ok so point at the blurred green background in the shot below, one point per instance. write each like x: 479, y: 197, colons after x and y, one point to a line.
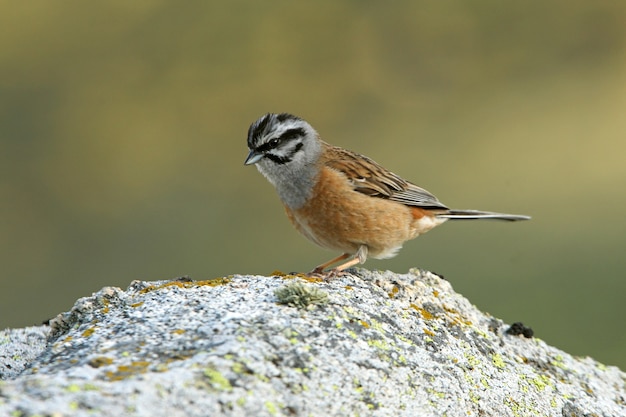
x: 123, y: 134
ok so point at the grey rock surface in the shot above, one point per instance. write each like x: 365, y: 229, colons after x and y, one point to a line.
x: 20, y: 347
x: 369, y: 343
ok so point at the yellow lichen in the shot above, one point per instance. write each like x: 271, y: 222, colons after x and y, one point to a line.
x: 558, y: 362
x: 126, y: 371
x: 238, y: 368
x: 427, y: 315
x: 498, y: 361
x: 474, y: 397
x: 438, y: 394
x: 73, y: 388
x: 88, y: 332
x: 180, y: 284
x: 100, y: 361
x: 472, y: 360
x: 541, y: 382
x: 376, y: 325
x: 271, y: 408
x: 394, y: 291
x: 380, y: 344
x: 404, y: 339
x: 217, y: 380
x: 456, y: 317
x: 300, y: 275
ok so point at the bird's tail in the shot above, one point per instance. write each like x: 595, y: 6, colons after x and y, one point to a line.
x: 476, y: 214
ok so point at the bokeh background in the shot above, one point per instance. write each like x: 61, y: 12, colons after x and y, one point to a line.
x: 123, y: 134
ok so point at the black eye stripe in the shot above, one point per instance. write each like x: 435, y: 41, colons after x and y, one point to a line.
x: 286, y: 136
x: 266, y: 147
x: 284, y: 159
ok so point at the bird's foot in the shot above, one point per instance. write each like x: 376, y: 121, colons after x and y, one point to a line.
x: 328, y: 274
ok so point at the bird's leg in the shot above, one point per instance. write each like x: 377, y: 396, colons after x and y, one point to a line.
x: 359, y: 258
x: 319, y: 270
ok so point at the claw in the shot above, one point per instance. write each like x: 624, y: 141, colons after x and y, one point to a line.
x: 327, y: 275
x: 335, y: 273
x: 359, y: 258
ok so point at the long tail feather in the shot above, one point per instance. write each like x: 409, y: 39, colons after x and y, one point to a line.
x: 476, y: 214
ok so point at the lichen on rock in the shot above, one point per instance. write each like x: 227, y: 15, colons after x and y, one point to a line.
x: 365, y: 343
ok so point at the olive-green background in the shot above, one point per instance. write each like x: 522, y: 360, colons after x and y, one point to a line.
x: 123, y: 128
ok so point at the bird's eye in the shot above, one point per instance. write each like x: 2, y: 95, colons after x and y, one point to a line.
x: 273, y: 143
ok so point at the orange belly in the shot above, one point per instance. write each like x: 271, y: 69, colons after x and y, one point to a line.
x: 341, y: 219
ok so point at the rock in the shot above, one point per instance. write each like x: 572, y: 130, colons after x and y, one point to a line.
x: 369, y: 343
x: 20, y: 347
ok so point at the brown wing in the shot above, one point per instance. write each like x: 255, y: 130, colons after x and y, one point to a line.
x: 368, y: 177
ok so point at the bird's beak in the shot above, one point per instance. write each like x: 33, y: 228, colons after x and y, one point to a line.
x: 253, y: 157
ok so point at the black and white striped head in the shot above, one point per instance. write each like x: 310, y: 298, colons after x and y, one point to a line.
x: 285, y: 148
x: 277, y: 138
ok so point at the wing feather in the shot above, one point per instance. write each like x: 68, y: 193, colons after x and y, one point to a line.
x: 370, y: 178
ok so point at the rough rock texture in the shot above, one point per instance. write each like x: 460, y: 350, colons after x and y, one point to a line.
x: 372, y: 343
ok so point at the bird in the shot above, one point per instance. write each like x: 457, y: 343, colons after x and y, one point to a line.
x: 342, y: 200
